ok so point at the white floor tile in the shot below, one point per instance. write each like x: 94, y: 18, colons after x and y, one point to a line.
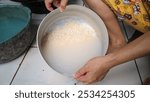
x: 35, y: 71
x: 144, y: 66
x: 7, y: 70
x: 124, y: 74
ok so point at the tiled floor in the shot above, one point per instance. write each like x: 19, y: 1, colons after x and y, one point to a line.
x: 31, y: 69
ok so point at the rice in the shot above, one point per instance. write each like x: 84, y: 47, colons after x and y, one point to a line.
x: 72, y: 32
x: 70, y: 45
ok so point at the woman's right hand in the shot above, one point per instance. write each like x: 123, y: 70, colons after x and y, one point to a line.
x: 94, y: 70
x: 58, y: 3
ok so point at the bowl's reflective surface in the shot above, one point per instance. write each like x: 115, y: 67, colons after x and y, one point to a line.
x: 56, y: 18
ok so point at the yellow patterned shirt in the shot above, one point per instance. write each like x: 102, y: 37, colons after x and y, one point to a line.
x: 135, y: 12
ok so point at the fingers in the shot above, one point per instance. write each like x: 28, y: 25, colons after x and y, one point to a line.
x: 56, y: 3
x: 85, y: 79
x: 48, y: 4
x: 86, y: 76
x: 63, y: 4
x: 80, y: 73
x: 89, y: 78
x: 83, y: 75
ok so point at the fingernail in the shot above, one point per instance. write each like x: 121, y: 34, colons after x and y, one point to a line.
x: 50, y: 9
x: 61, y: 10
x: 74, y: 75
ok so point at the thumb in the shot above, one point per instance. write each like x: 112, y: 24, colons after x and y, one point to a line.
x: 63, y: 5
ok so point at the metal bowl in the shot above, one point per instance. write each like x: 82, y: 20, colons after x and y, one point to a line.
x: 15, y: 36
x: 56, y: 18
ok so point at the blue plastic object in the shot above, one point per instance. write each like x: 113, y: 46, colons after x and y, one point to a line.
x: 13, y: 19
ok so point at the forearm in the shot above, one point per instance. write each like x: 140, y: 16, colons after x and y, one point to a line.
x: 133, y: 50
x: 108, y: 17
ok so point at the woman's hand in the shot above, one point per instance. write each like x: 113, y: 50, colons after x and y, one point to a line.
x: 94, y: 70
x: 58, y: 3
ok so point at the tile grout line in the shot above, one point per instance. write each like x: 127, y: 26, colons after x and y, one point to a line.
x: 18, y: 67
x: 134, y: 59
x: 138, y: 71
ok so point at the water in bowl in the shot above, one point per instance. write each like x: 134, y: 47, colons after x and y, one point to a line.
x: 69, y: 46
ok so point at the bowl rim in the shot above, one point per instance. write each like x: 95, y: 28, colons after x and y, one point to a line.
x: 58, y: 11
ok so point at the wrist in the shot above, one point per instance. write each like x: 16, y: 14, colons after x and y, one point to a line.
x: 111, y: 60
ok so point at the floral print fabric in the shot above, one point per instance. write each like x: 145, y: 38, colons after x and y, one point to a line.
x: 135, y: 12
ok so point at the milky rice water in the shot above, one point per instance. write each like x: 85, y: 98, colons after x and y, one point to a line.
x: 69, y: 45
